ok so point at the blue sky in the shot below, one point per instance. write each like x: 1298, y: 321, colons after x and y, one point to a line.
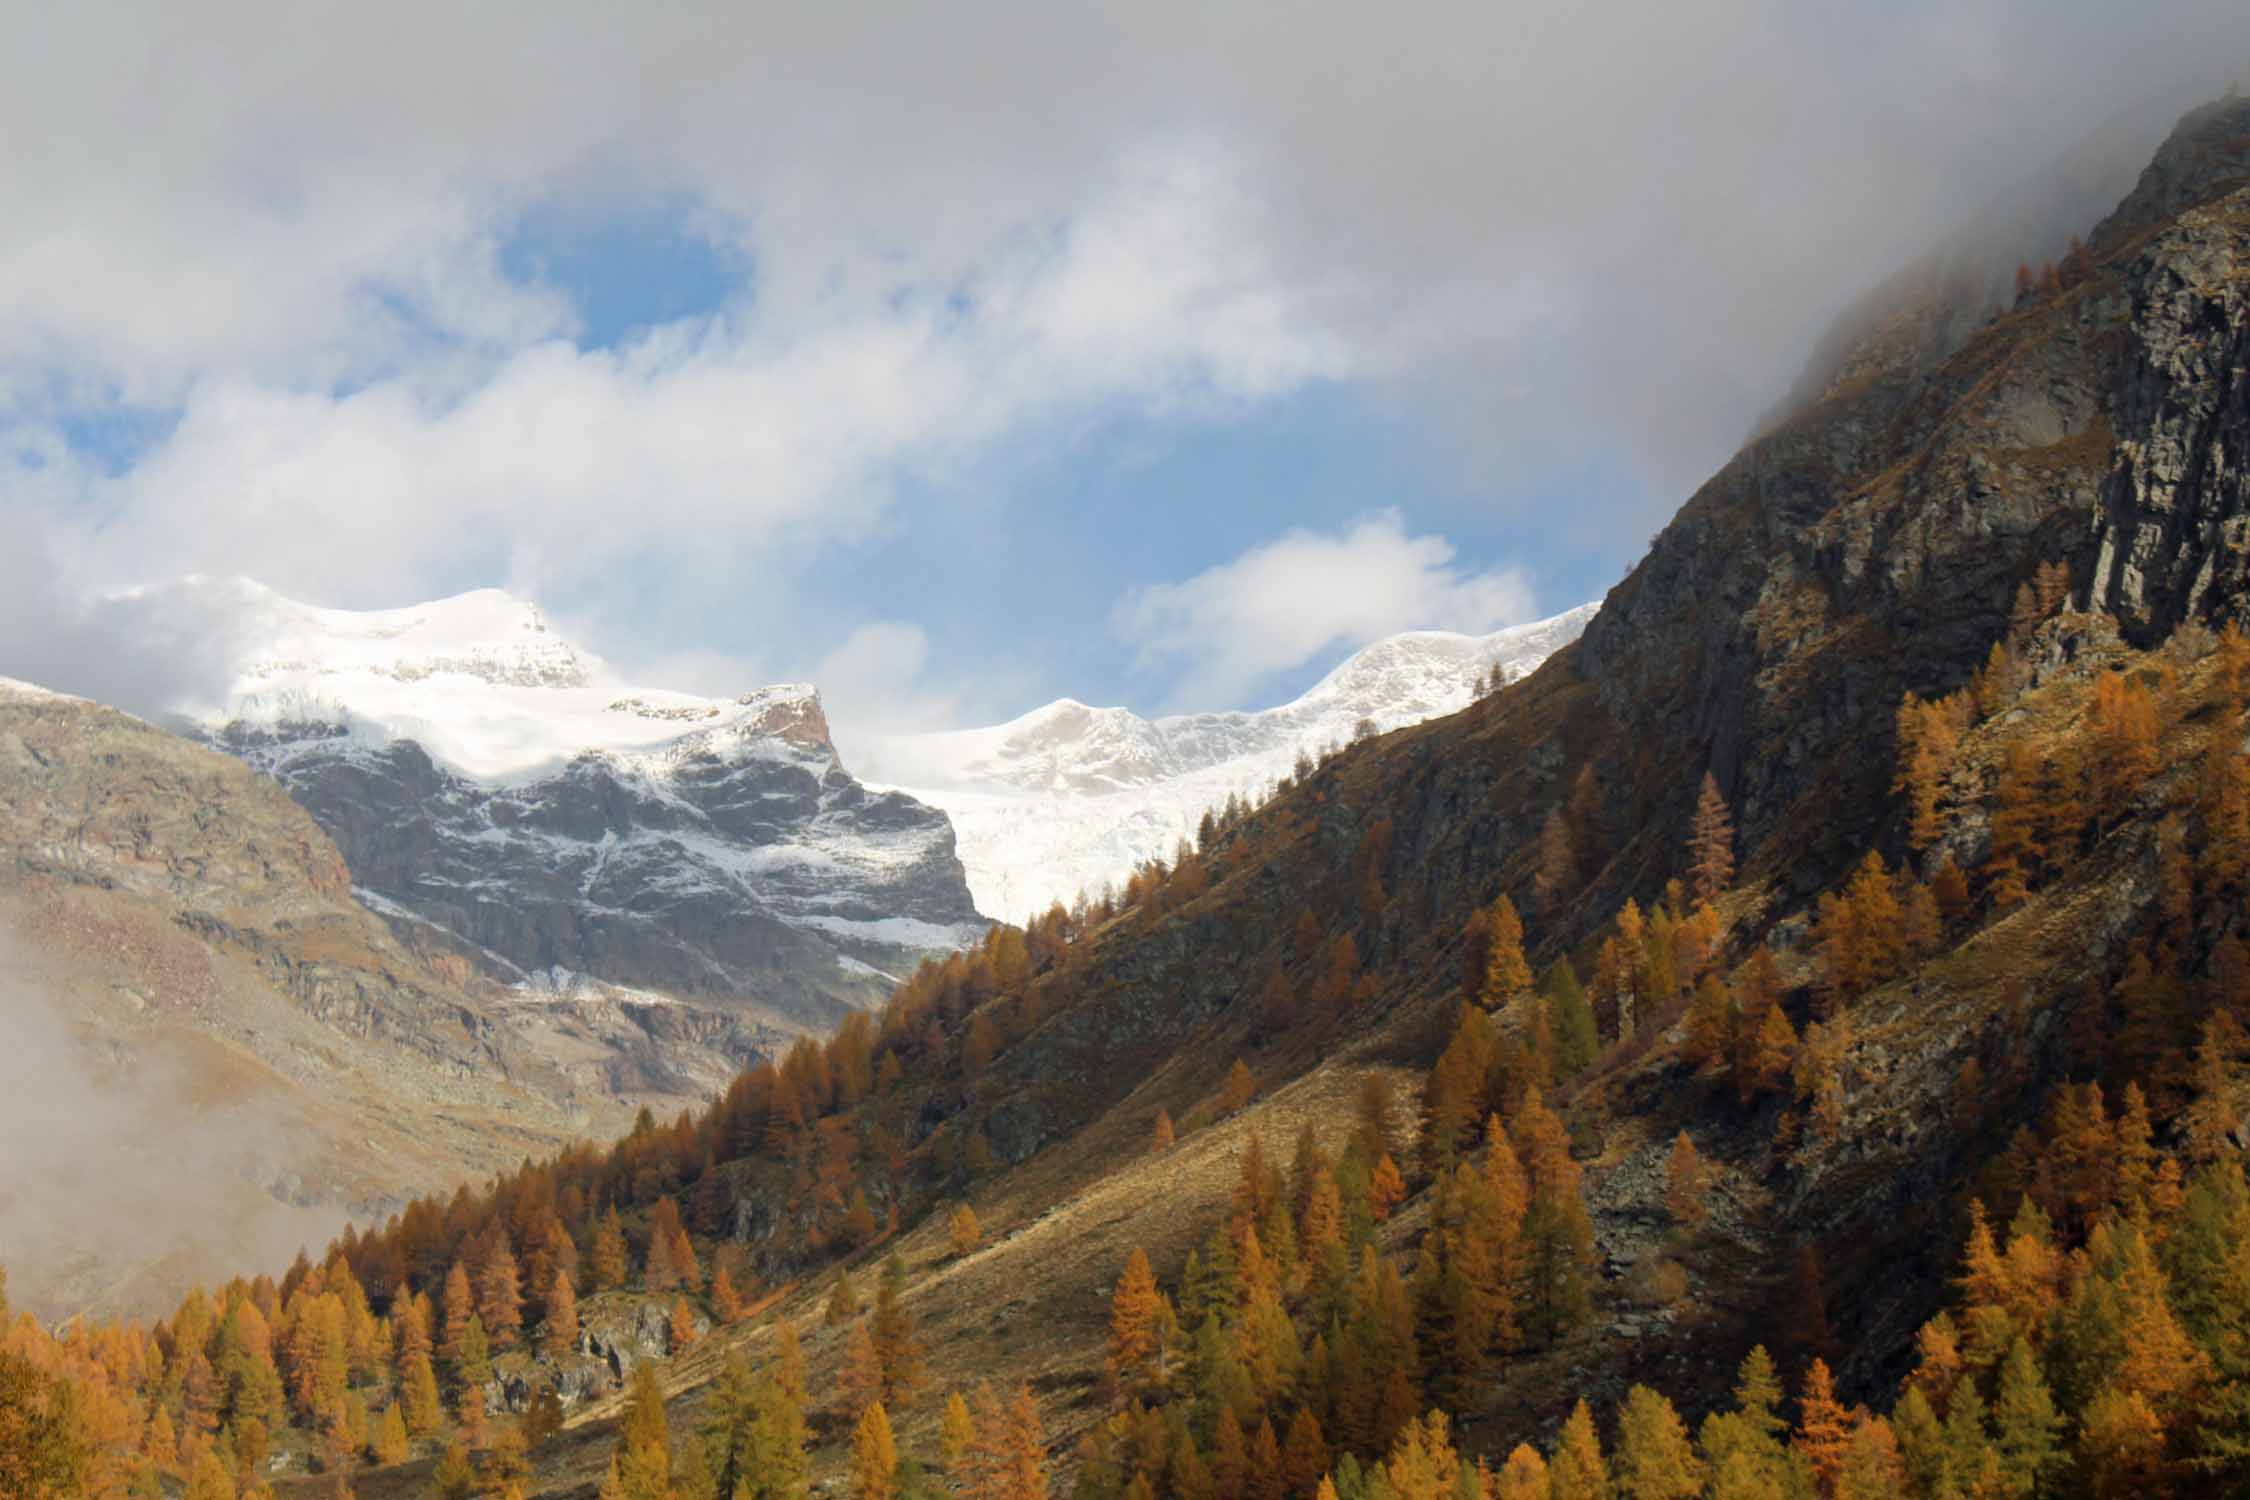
x: 963, y: 359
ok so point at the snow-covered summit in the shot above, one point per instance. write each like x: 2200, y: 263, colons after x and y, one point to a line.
x: 486, y: 778
x: 1070, y: 797
x: 482, y: 683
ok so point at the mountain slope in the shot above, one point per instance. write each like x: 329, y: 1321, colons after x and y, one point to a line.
x: 206, y: 1032
x: 1988, y: 1054
x: 491, y: 780
x: 1068, y: 799
x: 1869, y: 546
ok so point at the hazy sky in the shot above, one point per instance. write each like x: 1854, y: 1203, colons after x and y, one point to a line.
x: 963, y: 356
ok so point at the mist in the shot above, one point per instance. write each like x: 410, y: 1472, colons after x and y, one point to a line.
x: 150, y: 652
x: 121, y: 1179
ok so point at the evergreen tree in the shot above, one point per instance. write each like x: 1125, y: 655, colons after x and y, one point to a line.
x: 2028, y: 1425
x: 1823, y: 1427
x: 1711, y: 844
x: 679, y: 1329
x: 1576, y: 1468
x: 726, y: 1302
x: 874, y: 1462
x: 609, y: 1253
x: 561, y: 1334
x: 390, y: 1443
x: 1577, y: 1037
x: 500, y: 1293
x: 1506, y: 972
x: 962, y: 1231
x: 641, y: 1465
x: 843, y: 1302
x: 891, y: 1329
x: 1655, y: 1460
x: 1161, y: 1138
x: 1238, y: 1090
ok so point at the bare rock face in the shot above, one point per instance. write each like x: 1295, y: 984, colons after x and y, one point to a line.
x: 1870, y: 544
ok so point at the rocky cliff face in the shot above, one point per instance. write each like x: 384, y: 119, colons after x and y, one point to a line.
x: 491, y: 783
x: 213, y: 1035
x: 1871, y: 544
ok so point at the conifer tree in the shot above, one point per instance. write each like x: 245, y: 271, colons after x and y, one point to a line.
x: 506, y: 1466
x: 1522, y: 1477
x: 1577, y: 1038
x: 500, y: 1293
x: 957, y: 1439
x: 1386, y: 1189
x: 1506, y: 973
x: 1304, y: 1455
x: 2028, y: 1425
x: 891, y: 1328
x: 1138, y: 1314
x: 456, y: 1479
x: 861, y: 1378
x: 1711, y: 844
x: 1823, y: 1427
x: 608, y: 1257
x: 1022, y: 1473
x: 1558, y: 861
x: 460, y: 1315
x: 843, y: 1302
x: 390, y: 1443
x: 43, y: 1453
x: 1770, y: 1050
x: 1655, y: 1460
x: 1238, y: 1090
x: 1264, y: 1476
x: 1710, y: 1024
x: 726, y: 1302
x: 679, y: 1329
x: 418, y: 1397
x: 1576, y: 1467
x: 641, y: 1466
x: 2016, y: 819
x: 962, y: 1232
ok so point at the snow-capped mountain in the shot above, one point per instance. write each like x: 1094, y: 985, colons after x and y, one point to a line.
x: 487, y: 778
x: 1069, y: 798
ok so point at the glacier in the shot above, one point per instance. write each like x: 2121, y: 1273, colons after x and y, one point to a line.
x: 1069, y: 799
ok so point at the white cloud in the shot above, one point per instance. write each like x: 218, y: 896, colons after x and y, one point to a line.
x: 711, y: 446
x: 1284, y: 602
x: 967, y: 223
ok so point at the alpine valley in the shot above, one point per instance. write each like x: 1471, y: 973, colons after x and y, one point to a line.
x: 1787, y: 1039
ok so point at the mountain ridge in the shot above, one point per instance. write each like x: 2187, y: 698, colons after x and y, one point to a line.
x: 500, y: 784
x: 1068, y: 799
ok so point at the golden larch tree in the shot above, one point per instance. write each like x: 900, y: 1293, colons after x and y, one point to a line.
x: 962, y: 1232
x: 1711, y: 843
x: 1507, y: 973
x: 874, y: 1463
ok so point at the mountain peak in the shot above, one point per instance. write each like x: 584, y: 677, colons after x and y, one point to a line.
x: 1069, y: 797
